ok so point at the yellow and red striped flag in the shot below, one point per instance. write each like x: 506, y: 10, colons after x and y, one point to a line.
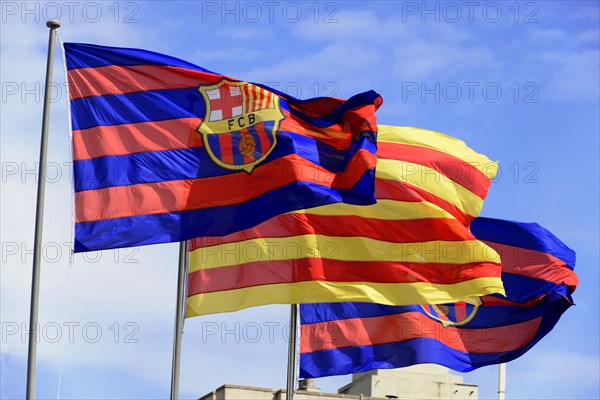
x: 413, y: 246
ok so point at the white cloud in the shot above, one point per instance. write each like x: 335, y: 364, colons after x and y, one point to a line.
x: 585, y: 13
x: 574, y: 74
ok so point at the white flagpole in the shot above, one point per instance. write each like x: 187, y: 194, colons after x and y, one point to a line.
x: 39, y: 218
x: 502, y: 381
x: 291, y: 368
x: 179, y: 315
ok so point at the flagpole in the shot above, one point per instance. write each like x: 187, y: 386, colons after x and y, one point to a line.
x: 291, y: 368
x: 39, y: 218
x: 502, y: 381
x: 178, y: 326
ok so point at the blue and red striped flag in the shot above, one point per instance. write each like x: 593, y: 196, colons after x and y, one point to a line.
x: 537, y: 270
x: 164, y: 150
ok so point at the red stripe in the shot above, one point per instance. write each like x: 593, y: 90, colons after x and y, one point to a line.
x: 113, y: 79
x: 395, y: 190
x: 323, y: 269
x: 226, y: 148
x: 489, y: 300
x: 269, y: 99
x: 265, y: 143
x: 119, y: 140
x: 295, y: 224
x: 534, y: 264
x: 256, y: 102
x: 453, y: 168
x: 250, y: 98
x: 460, y: 311
x: 248, y: 101
x: 263, y: 96
x: 191, y: 194
x: 414, y: 325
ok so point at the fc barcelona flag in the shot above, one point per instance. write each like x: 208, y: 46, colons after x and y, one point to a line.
x: 537, y: 270
x: 164, y: 150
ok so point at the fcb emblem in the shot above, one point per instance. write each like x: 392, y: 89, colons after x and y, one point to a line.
x: 454, y: 314
x: 239, y: 128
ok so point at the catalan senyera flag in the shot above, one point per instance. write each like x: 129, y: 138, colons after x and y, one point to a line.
x: 412, y: 246
x: 537, y: 270
x: 164, y: 150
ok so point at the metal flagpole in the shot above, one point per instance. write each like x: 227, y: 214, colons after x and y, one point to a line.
x: 291, y: 369
x: 501, y: 381
x: 178, y: 328
x: 39, y: 218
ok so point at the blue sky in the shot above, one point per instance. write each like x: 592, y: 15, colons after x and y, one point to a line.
x: 518, y: 81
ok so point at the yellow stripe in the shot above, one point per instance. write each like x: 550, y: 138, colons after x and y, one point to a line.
x: 432, y: 181
x: 339, y: 248
x: 437, y: 141
x: 384, y: 209
x: 320, y: 291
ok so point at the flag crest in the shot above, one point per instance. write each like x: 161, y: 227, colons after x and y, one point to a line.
x: 240, y: 124
x: 452, y: 314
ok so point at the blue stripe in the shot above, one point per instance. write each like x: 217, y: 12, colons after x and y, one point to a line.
x: 218, y: 221
x: 355, y: 359
x: 82, y: 55
x: 195, y: 163
x: 215, y: 146
x: 119, y: 109
x: 521, y: 234
x: 238, y: 159
x: 521, y: 289
x: 148, y: 167
x: 321, y: 312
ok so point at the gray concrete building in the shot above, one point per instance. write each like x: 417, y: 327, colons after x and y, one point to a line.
x: 427, y: 381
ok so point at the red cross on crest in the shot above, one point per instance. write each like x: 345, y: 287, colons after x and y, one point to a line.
x: 225, y: 102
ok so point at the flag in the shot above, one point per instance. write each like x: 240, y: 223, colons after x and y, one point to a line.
x: 537, y: 270
x: 412, y: 246
x: 164, y: 150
